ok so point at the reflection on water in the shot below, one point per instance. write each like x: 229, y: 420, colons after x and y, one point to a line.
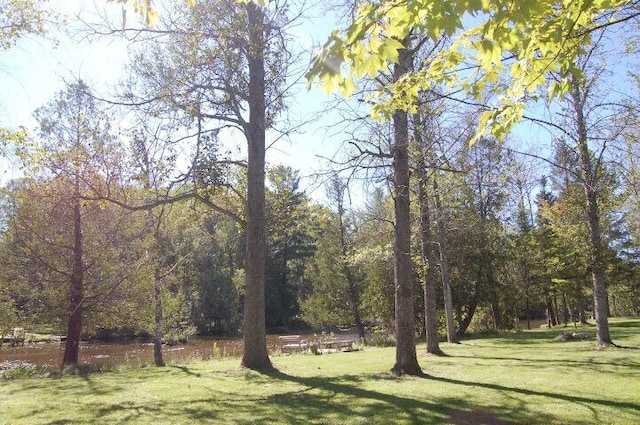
x: 131, y: 352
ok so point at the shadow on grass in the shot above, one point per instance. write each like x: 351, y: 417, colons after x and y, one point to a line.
x: 619, y: 328
x: 186, y: 370
x: 336, y: 398
x: 635, y: 407
x: 268, y: 398
x: 632, y: 365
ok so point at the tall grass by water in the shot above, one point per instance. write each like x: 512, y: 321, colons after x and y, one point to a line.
x: 510, y: 378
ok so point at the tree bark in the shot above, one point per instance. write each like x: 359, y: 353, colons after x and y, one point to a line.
x: 354, y: 293
x: 452, y: 337
x: 157, y: 334
x: 551, y: 315
x: 255, y: 354
x: 596, y: 250
x: 527, y: 307
x: 426, y: 239
x: 466, y: 320
x: 76, y: 290
x: 569, y: 310
x: 496, y: 312
x: 406, y: 357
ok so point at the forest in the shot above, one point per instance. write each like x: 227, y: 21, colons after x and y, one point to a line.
x: 486, y: 176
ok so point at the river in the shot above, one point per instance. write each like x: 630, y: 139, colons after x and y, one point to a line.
x: 133, y: 353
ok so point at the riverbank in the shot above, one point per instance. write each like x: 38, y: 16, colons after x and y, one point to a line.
x: 46, y: 354
x: 512, y: 378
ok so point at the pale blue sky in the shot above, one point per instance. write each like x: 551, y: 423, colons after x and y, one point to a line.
x: 33, y: 71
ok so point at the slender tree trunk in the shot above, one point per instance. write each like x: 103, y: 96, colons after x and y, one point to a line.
x: 337, y: 195
x: 496, y: 312
x: 157, y: 280
x: 354, y: 296
x: 581, y: 314
x: 600, y: 301
x: 567, y: 304
x: 354, y: 299
x: 157, y: 334
x: 452, y: 337
x: 596, y: 248
x: 406, y: 357
x: 613, y: 307
x: 556, y: 311
x: 76, y: 289
x: 255, y: 355
x: 551, y: 315
x: 426, y: 239
x: 429, y: 264
x: 466, y: 320
x: 527, y: 307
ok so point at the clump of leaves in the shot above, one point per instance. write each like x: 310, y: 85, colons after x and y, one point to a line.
x: 381, y: 336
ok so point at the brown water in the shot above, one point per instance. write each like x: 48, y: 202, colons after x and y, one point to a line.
x: 131, y: 353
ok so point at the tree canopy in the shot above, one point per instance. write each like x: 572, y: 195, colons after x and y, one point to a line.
x: 501, y: 47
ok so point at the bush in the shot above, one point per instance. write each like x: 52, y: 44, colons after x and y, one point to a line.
x: 380, y: 336
x: 179, y: 335
x: 19, y: 370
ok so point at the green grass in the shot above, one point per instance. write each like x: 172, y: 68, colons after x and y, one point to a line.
x: 512, y: 378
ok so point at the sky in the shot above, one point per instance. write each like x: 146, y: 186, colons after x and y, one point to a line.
x: 33, y: 71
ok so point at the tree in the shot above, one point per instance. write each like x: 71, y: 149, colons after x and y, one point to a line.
x: 426, y: 238
x: 373, y: 255
x: 151, y: 172
x: 224, y: 70
x: 527, y: 41
x: 37, y: 271
x: 75, y: 137
x: 337, y: 191
x: 588, y: 122
x: 255, y: 355
x: 468, y: 205
x: 579, y: 94
x: 445, y: 271
x: 337, y: 280
x: 290, y: 224
x: 527, y: 260
x: 19, y: 18
x: 406, y: 358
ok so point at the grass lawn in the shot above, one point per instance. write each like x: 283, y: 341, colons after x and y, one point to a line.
x: 513, y: 378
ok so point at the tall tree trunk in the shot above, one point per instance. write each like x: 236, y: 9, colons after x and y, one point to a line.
x: 354, y: 300
x: 338, y: 189
x: 596, y: 249
x: 466, y: 320
x: 452, y: 337
x: 556, y: 311
x: 354, y: 293
x: 154, y: 249
x: 596, y: 259
x: 255, y: 354
x: 157, y: 298
x: 551, y: 315
x: 406, y: 357
x: 581, y: 314
x: 568, y: 308
x: 76, y: 289
x: 527, y: 307
x: 496, y: 312
x: 426, y: 239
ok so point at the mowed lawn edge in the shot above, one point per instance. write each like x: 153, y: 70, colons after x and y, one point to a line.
x: 509, y: 378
